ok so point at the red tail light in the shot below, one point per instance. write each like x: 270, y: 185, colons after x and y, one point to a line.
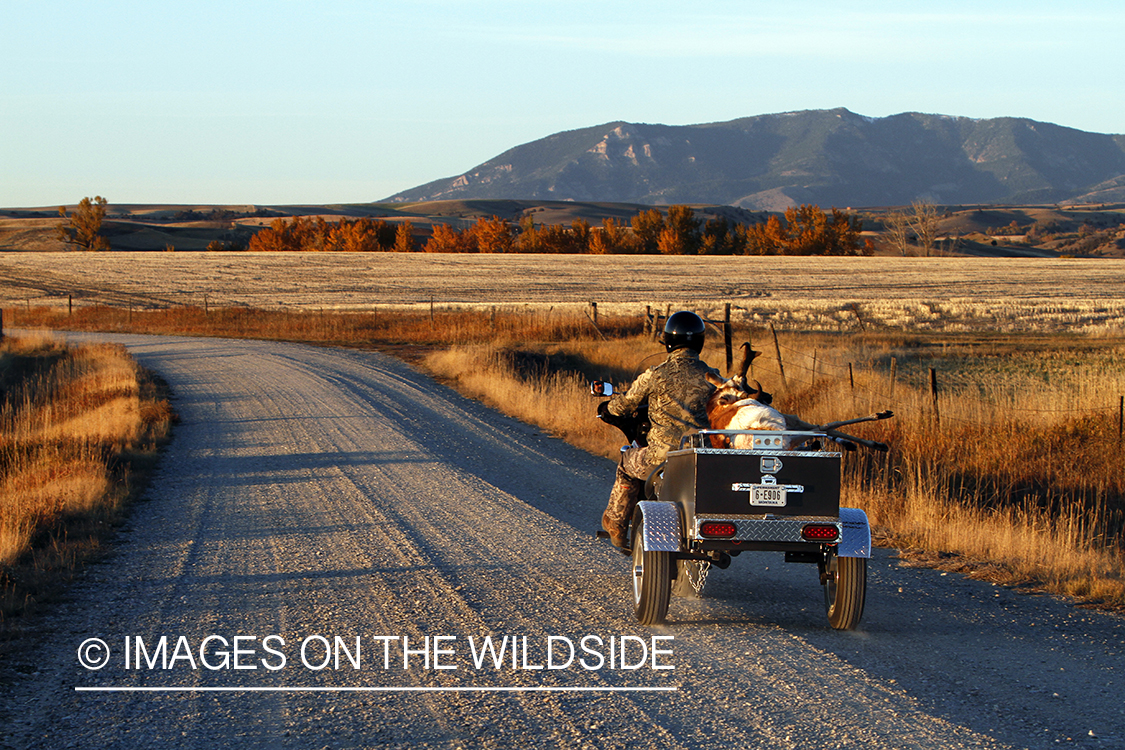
x: 820, y: 532
x: 717, y: 529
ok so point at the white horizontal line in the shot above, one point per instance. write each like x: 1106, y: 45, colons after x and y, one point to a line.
x: 482, y: 689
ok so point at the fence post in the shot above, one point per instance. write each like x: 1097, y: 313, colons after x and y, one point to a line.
x: 727, y: 335
x: 594, y: 310
x: 1121, y: 419
x: 934, y: 394
x: 648, y: 321
x: 859, y: 318
x: 894, y: 372
x: 780, y: 364
x: 70, y: 304
x: 813, y: 380
x: 851, y: 383
x: 656, y: 328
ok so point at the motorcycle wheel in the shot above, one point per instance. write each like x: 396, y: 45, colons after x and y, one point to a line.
x: 845, y: 588
x: 652, y: 580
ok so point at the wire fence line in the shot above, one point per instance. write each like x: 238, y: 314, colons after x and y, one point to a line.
x: 800, y: 373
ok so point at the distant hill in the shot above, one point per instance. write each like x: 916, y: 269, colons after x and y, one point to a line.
x: 826, y: 157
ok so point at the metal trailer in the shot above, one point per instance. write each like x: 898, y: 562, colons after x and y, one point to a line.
x: 707, y: 504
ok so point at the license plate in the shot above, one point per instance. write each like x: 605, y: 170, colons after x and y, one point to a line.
x: 770, y: 495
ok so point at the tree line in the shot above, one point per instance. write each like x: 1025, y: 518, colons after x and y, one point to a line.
x: 347, y: 235
x: 804, y: 230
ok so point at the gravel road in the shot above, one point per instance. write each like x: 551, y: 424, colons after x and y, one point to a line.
x: 312, y: 497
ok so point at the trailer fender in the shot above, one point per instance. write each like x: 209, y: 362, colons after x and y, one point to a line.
x: 855, y: 540
x: 662, y: 532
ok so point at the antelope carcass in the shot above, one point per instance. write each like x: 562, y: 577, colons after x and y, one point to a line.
x: 733, y: 406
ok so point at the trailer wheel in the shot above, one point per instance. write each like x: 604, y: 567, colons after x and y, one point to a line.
x: 688, y: 575
x: 652, y: 580
x: 845, y: 587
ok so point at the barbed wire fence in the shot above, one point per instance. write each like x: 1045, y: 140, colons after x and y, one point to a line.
x: 799, y: 369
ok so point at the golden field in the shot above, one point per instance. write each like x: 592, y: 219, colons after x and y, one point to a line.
x: 899, y: 294
x: 73, y: 421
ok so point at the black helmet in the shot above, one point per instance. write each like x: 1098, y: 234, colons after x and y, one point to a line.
x: 684, y: 329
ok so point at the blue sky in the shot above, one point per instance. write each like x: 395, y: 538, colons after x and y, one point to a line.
x: 340, y: 101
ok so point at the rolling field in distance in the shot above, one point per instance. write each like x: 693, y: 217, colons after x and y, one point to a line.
x: 830, y: 294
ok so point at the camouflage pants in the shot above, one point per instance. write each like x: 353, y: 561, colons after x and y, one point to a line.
x: 627, y: 488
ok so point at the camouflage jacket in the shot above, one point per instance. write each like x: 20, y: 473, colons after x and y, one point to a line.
x: 677, y: 394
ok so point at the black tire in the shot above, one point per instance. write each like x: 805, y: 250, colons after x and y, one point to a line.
x: 845, y: 588
x: 686, y: 572
x: 652, y: 580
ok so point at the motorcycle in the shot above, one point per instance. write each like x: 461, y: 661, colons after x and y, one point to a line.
x: 705, y: 505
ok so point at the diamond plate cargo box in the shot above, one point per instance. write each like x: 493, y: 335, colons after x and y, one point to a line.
x: 715, y: 482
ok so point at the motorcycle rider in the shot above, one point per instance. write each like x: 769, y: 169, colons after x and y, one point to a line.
x: 676, y: 391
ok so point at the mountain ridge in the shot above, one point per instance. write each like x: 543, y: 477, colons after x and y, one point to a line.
x: 827, y: 157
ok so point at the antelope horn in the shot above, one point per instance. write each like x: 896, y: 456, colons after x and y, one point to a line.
x: 757, y: 393
x: 748, y: 356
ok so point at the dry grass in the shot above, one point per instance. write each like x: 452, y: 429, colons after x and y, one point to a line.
x: 1019, y: 474
x: 72, y: 422
x: 558, y: 402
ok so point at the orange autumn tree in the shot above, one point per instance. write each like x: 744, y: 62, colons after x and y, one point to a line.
x: 647, y: 226
x: 446, y: 239
x: 315, y: 234
x: 493, y: 235
x: 82, y: 228
x: 611, y: 239
x: 807, y: 230
x: 360, y: 236
x: 404, y: 238
x: 555, y: 238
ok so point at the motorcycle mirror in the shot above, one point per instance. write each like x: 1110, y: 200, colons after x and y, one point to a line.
x: 601, y: 388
